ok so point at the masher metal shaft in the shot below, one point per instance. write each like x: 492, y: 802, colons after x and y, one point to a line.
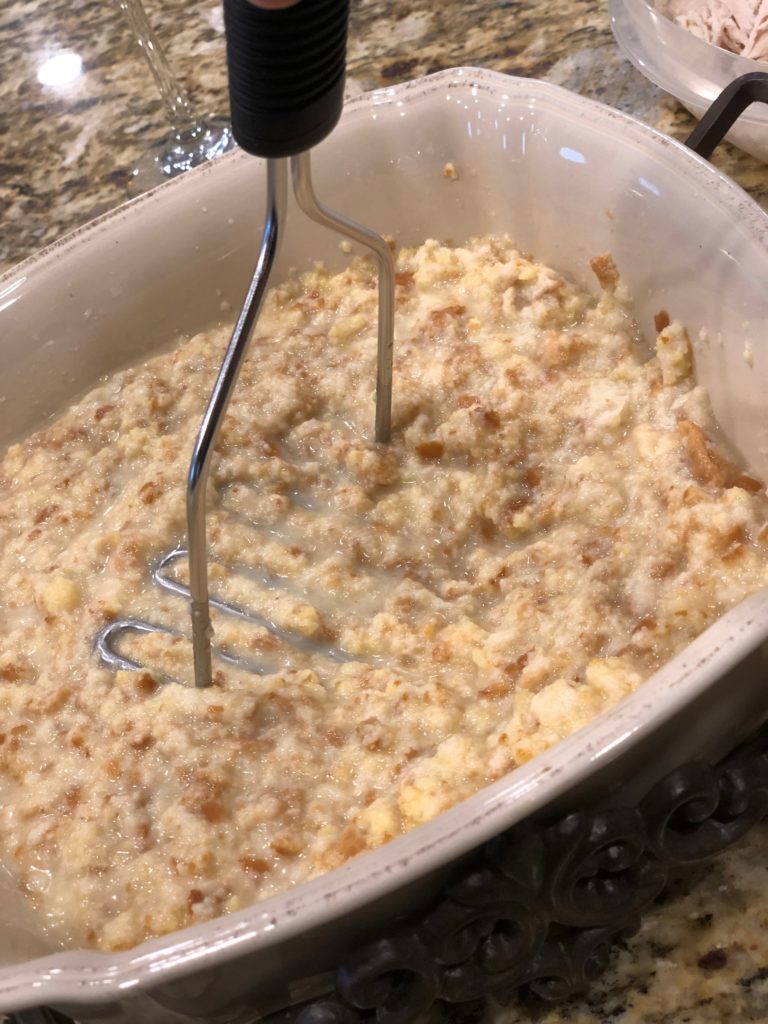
x: 301, y: 172
x: 286, y: 84
x: 214, y: 416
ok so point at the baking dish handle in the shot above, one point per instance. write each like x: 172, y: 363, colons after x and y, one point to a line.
x: 726, y: 109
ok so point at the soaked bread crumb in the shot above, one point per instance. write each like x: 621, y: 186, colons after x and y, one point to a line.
x: 551, y: 523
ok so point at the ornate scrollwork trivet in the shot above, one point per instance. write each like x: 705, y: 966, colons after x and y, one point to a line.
x: 537, y: 909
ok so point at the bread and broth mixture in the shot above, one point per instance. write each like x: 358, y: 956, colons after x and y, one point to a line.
x: 550, y: 524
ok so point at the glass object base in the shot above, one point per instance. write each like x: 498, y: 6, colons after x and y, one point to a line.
x: 181, y: 151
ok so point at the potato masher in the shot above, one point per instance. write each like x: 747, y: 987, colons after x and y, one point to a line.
x: 286, y: 63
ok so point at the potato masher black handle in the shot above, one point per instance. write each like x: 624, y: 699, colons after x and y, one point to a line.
x: 727, y: 108
x: 286, y: 73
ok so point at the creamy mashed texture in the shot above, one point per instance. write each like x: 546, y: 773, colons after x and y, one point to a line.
x: 550, y: 523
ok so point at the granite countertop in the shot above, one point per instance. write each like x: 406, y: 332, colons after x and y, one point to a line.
x: 68, y: 151
x: 67, y: 155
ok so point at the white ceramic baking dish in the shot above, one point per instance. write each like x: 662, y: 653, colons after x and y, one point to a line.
x: 568, y: 179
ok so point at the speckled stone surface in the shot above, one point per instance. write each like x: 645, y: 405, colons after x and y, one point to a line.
x: 701, y: 956
x: 67, y: 152
x: 66, y: 155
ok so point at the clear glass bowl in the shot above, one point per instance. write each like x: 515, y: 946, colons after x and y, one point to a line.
x: 692, y: 71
